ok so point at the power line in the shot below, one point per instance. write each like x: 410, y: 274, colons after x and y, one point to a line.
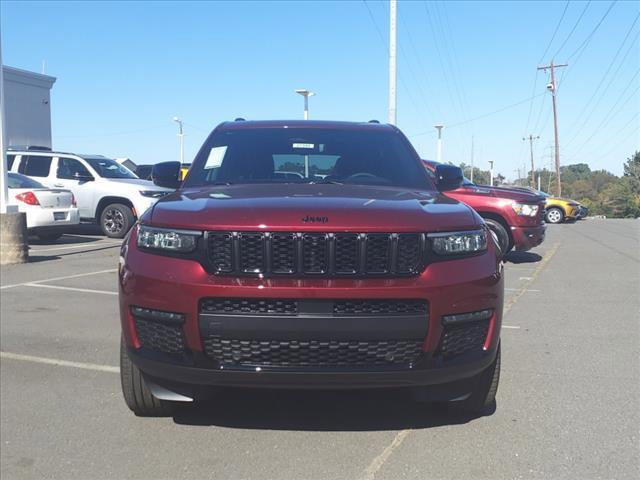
x: 573, y: 29
x: 566, y: 5
x: 588, y: 102
x: 480, y: 116
x: 590, y: 36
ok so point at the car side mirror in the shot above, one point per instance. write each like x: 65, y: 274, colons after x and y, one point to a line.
x: 448, y: 177
x: 83, y: 178
x: 166, y: 174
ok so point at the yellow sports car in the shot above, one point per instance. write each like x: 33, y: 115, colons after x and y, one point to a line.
x: 559, y: 209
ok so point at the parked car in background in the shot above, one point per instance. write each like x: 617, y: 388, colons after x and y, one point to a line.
x: 582, y: 212
x: 50, y: 212
x: 515, y: 216
x: 369, y: 277
x: 106, y: 192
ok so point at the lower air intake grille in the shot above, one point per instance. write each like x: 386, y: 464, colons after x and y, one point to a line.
x: 312, y: 353
x: 159, y: 336
x: 379, y: 307
x: 465, y: 338
x: 241, y: 306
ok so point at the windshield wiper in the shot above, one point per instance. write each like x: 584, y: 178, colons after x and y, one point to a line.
x: 326, y: 182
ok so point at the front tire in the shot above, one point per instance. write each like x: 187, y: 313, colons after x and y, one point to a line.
x: 137, y: 394
x: 116, y: 219
x: 484, y: 394
x: 501, y: 233
x: 554, y: 215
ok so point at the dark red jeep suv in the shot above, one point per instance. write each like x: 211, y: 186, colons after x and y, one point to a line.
x: 304, y: 254
x: 514, y: 215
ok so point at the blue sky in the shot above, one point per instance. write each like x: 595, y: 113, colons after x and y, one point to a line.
x: 125, y: 69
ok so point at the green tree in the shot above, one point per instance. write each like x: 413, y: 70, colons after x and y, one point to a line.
x: 632, y: 173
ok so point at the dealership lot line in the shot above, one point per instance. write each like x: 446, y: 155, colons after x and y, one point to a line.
x: 75, y: 246
x: 562, y: 394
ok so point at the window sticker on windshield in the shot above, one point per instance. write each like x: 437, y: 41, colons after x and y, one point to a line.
x: 215, y: 157
x: 303, y: 145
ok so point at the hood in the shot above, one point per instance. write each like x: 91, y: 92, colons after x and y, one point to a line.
x: 139, y: 182
x: 517, y: 194
x: 312, y: 207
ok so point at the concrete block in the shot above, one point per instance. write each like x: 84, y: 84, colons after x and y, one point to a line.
x: 14, y: 244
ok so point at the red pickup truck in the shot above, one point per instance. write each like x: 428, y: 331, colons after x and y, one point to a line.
x: 515, y: 216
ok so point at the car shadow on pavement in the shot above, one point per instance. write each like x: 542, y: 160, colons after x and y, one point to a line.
x: 522, y: 257
x: 363, y: 410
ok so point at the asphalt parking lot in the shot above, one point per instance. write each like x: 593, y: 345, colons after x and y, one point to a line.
x: 567, y: 405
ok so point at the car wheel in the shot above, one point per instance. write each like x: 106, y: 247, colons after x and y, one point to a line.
x: 501, y: 234
x: 49, y: 237
x: 484, y: 394
x: 116, y: 219
x: 137, y: 394
x: 554, y: 215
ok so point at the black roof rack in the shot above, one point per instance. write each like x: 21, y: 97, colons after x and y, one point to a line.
x: 239, y: 119
x: 374, y: 121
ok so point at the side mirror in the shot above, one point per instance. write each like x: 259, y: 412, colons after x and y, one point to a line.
x: 83, y: 178
x: 448, y: 177
x: 166, y: 174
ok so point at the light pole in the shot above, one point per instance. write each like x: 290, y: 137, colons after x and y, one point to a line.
x: 393, y: 65
x: 439, y: 152
x: 491, y: 172
x: 306, y: 94
x: 181, y: 137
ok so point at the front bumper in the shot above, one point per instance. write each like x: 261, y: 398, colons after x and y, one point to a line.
x: 526, y: 238
x: 178, y: 285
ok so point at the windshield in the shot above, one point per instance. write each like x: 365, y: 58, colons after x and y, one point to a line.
x: 15, y: 180
x: 107, y: 168
x: 308, y: 155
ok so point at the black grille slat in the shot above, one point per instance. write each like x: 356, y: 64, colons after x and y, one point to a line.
x: 460, y: 339
x: 408, y: 253
x: 316, y: 254
x: 159, y: 336
x: 378, y: 253
x: 243, y: 306
x: 379, y: 307
x: 313, y: 353
x: 221, y: 251
x: 283, y: 258
x: 252, y: 252
x: 346, y: 253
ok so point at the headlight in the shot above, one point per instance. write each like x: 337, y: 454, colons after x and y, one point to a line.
x: 153, y: 193
x: 167, y: 239
x: 524, y: 209
x: 456, y: 243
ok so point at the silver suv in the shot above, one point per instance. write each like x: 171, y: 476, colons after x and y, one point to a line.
x: 106, y: 192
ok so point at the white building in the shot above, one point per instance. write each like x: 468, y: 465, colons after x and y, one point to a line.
x: 27, y: 98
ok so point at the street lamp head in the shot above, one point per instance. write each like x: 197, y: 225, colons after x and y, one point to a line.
x: 439, y: 126
x: 305, y: 92
x: 176, y: 119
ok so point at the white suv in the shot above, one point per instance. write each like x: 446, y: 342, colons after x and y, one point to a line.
x: 105, y: 191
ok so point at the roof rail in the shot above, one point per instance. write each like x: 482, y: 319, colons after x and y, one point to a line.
x: 374, y: 121
x: 239, y: 119
x: 29, y: 147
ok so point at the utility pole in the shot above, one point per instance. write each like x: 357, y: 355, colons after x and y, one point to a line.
x: 491, y: 172
x: 471, y: 158
x: 439, y: 127
x: 551, y: 86
x: 393, y: 69
x: 181, y: 137
x: 531, y: 138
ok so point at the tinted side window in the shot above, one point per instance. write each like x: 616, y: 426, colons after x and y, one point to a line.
x: 35, y: 166
x: 70, y: 168
x: 10, y: 160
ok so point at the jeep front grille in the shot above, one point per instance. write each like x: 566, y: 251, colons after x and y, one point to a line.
x: 316, y: 254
